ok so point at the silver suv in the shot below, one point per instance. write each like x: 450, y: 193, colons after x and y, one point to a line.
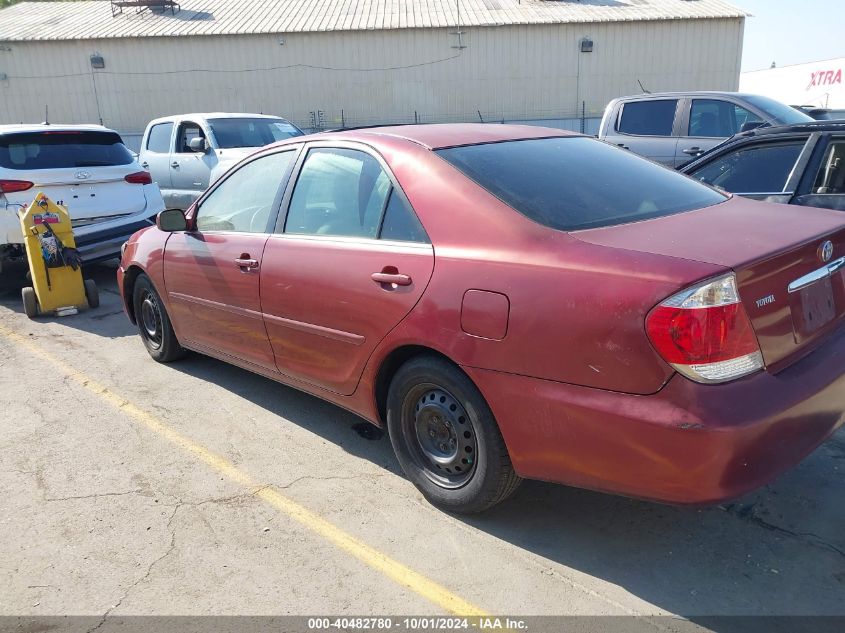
x: 187, y: 152
x: 674, y: 127
x: 86, y: 168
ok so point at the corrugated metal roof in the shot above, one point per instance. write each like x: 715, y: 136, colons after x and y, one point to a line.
x: 93, y: 19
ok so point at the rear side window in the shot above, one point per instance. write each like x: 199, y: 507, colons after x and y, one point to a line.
x: 159, y: 139
x: 62, y: 150
x: 573, y: 183
x: 648, y: 118
x: 760, y: 169
x: 400, y: 222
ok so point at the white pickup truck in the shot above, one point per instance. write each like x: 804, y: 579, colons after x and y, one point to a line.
x: 186, y: 153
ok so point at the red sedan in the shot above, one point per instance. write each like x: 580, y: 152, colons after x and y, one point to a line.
x: 513, y: 302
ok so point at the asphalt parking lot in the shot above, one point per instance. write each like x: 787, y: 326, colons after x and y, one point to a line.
x: 132, y: 488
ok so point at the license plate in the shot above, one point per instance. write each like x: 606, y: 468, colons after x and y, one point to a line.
x: 817, y: 306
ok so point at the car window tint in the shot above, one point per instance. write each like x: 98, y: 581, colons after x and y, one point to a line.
x: 760, y: 169
x: 831, y: 176
x: 575, y: 182
x: 244, y: 200
x: 159, y: 139
x: 243, y: 132
x: 188, y: 132
x: 338, y: 192
x: 62, y: 149
x: 648, y: 118
x: 400, y: 222
x: 719, y: 119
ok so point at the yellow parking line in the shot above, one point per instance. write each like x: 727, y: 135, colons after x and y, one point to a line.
x: 368, y: 555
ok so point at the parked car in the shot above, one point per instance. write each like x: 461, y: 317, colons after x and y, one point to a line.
x: 187, y: 152
x: 822, y: 114
x: 798, y: 164
x: 513, y: 302
x: 673, y: 127
x: 86, y: 168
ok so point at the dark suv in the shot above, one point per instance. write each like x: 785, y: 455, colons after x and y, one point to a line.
x: 674, y: 127
x: 796, y: 164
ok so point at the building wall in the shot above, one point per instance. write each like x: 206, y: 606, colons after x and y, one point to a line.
x: 820, y: 84
x: 509, y: 72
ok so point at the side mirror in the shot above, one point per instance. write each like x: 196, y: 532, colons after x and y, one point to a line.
x: 171, y: 220
x: 198, y: 144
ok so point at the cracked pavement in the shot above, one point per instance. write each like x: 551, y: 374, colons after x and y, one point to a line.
x: 101, y: 517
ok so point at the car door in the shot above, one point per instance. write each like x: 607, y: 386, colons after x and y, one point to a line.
x: 189, y: 170
x: 824, y: 181
x: 647, y: 128
x: 155, y: 157
x: 212, y: 273
x: 761, y: 170
x: 708, y: 122
x: 347, y: 264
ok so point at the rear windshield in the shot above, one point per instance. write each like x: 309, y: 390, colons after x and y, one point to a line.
x: 240, y: 132
x: 62, y: 149
x: 573, y: 183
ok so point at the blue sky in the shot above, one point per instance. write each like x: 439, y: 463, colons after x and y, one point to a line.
x: 792, y: 31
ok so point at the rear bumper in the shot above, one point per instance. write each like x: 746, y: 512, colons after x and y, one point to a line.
x: 687, y: 444
x: 99, y: 242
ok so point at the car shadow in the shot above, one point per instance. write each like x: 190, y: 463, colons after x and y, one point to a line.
x: 778, y: 551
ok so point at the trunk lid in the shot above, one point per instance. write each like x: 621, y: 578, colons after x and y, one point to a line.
x: 793, y: 292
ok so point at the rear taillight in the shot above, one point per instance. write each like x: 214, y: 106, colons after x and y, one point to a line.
x: 139, y: 178
x: 12, y: 186
x: 705, y: 334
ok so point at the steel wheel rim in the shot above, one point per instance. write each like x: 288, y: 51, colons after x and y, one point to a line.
x: 441, y: 436
x: 151, y: 320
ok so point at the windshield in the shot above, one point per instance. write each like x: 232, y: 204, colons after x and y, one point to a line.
x: 62, y: 149
x: 779, y: 112
x: 239, y: 132
x: 571, y: 183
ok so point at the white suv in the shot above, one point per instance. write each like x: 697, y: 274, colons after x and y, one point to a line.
x: 86, y: 168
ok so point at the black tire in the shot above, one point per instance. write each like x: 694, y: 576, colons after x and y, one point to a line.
x: 446, y: 438
x: 92, y: 294
x: 30, y: 302
x: 154, y: 323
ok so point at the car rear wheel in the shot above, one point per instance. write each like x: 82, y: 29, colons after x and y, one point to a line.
x: 446, y: 438
x: 154, y: 323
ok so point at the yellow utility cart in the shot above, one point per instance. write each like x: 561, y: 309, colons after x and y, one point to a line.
x: 54, y: 264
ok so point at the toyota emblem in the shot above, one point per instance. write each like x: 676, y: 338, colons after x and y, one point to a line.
x: 826, y: 251
x: 82, y: 175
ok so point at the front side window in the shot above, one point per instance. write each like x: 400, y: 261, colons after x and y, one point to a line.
x: 719, y: 119
x: 244, y: 201
x: 831, y: 176
x: 339, y: 192
x: 62, y: 149
x: 760, y: 169
x: 187, y: 132
x: 572, y: 183
x: 159, y: 138
x: 648, y: 118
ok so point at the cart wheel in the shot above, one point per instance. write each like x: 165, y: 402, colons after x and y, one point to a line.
x: 91, y: 293
x: 30, y: 302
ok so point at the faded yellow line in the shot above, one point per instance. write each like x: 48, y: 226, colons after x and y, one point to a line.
x: 312, y: 521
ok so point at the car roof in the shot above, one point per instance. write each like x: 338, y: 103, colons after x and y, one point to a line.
x: 691, y: 93
x: 214, y: 115
x: 442, y: 135
x: 51, y: 127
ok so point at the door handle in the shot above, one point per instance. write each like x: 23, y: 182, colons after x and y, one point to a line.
x: 622, y: 145
x: 391, y: 278
x: 693, y: 151
x: 245, y: 261
x: 145, y: 165
x: 175, y: 163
